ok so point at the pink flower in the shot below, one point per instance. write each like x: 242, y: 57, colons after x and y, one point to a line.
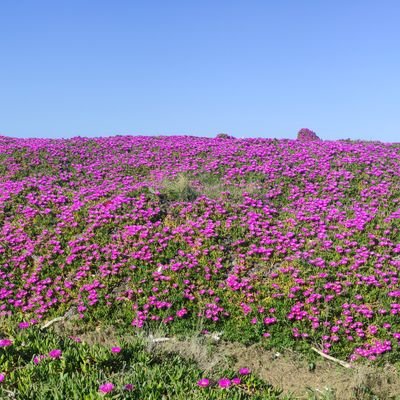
x: 181, y: 313
x: 236, y: 381
x: 203, y: 382
x: 244, y: 371
x: 106, y: 387
x: 115, y: 350
x: 37, y: 359
x: 23, y: 325
x: 56, y: 353
x: 129, y: 387
x: 2, y: 377
x: 224, y: 383
x: 5, y: 342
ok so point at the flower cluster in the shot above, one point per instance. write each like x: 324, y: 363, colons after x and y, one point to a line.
x: 108, y: 387
x: 224, y: 383
x: 53, y: 354
x: 262, y: 239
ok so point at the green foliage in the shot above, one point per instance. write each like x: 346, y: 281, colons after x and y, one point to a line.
x: 81, y: 369
x: 179, y: 189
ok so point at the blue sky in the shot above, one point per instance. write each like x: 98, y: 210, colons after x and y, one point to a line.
x: 247, y: 68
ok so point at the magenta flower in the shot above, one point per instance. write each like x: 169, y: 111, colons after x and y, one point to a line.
x: 115, y: 350
x: 129, y: 387
x: 91, y: 183
x: 5, y: 342
x: 224, y: 383
x: 236, y: 381
x: 244, y: 371
x: 106, y: 387
x: 203, y: 382
x: 37, y: 359
x: 56, y: 353
x: 181, y: 313
x: 2, y: 377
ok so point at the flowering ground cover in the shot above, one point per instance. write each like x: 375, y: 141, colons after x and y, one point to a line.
x: 290, y: 243
x: 75, y: 370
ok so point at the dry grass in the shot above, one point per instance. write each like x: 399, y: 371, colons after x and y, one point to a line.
x: 178, y: 189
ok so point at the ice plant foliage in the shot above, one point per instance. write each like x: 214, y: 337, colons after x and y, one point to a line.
x: 293, y: 239
x: 224, y: 383
x: 83, y: 370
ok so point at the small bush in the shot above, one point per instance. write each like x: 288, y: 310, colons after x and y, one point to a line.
x: 224, y: 136
x: 305, y: 134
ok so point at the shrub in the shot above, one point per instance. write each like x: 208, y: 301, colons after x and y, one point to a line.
x: 224, y: 136
x: 306, y: 135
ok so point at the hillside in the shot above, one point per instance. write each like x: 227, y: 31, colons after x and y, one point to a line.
x: 282, y: 244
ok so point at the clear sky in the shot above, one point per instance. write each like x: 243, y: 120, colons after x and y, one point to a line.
x: 247, y: 68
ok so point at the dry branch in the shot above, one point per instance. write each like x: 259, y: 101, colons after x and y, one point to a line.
x: 340, y: 362
x: 47, y: 324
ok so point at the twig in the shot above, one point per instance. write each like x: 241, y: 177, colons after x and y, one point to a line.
x: 153, y: 339
x: 47, y: 324
x: 160, y: 339
x: 340, y: 362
